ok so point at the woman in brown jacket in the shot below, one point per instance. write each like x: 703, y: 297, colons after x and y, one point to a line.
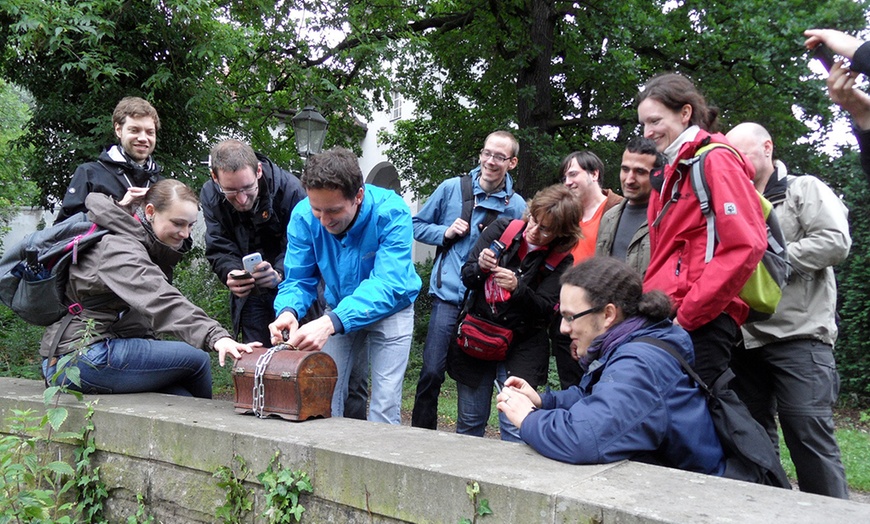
x: 129, y: 273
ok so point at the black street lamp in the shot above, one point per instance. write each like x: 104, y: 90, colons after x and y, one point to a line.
x: 310, y: 127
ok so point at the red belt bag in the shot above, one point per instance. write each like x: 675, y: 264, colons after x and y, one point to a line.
x: 483, y: 339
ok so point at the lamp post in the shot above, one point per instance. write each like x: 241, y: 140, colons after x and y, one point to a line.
x: 310, y: 128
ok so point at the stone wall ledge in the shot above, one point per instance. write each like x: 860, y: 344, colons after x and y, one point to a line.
x: 167, y: 448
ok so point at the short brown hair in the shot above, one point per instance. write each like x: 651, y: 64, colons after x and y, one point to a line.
x: 565, y: 211
x: 515, y: 144
x: 135, y: 107
x: 336, y: 168
x: 232, y: 155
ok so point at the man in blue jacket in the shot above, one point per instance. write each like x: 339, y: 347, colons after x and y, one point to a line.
x: 440, y: 223
x: 358, y: 239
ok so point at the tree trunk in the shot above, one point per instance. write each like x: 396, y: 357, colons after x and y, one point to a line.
x: 534, y: 98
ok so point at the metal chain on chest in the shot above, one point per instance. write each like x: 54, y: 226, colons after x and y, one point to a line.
x: 258, y: 397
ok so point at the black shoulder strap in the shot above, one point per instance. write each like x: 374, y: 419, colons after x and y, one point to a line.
x: 672, y: 351
x: 467, y: 190
x: 467, y: 197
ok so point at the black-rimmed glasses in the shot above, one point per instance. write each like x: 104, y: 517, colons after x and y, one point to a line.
x: 486, y: 155
x: 572, y: 318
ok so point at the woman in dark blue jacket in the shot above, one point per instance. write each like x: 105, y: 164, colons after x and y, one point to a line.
x: 634, y: 400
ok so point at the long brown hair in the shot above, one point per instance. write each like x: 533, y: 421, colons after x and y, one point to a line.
x: 674, y: 91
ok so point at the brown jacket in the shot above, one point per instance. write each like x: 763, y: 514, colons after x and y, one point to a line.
x: 638, y: 249
x: 133, y: 270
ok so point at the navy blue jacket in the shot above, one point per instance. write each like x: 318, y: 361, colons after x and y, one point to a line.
x: 634, y: 403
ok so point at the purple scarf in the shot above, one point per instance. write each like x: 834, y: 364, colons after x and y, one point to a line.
x: 611, y: 339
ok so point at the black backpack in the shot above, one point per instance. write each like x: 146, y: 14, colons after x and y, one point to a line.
x: 34, y: 273
x: 749, y: 453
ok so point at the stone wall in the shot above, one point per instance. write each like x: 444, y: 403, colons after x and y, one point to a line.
x: 166, y: 449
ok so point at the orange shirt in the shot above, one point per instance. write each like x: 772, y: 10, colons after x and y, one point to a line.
x: 585, y: 247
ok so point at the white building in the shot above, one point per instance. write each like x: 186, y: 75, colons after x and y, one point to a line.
x: 377, y: 169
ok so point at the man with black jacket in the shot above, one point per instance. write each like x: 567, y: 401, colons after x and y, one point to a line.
x: 247, y: 205
x: 125, y: 169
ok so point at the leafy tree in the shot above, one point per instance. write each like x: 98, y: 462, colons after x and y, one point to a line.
x: 14, y: 114
x: 853, y: 278
x: 212, y: 68
x: 15, y: 188
x: 564, y: 75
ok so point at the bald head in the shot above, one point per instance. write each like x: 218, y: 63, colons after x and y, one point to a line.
x: 754, y: 143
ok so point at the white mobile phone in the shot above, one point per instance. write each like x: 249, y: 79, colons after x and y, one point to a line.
x: 251, y: 261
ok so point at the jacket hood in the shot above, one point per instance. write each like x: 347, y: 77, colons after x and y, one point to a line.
x: 667, y: 331
x: 777, y: 185
x: 103, y: 211
x: 115, y: 158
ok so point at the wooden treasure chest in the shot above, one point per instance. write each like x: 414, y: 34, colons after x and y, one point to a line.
x: 293, y: 385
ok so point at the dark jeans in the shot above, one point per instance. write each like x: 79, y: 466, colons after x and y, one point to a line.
x: 257, y: 313
x: 356, y: 403
x: 442, y: 324
x: 797, y: 379
x: 713, y: 343
x: 137, y: 365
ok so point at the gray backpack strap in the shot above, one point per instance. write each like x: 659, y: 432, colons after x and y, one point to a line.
x: 702, y: 191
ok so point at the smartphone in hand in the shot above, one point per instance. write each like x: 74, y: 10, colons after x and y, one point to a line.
x: 823, y: 54
x: 242, y: 276
x: 250, y: 261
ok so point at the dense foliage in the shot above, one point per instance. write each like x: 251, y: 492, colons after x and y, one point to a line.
x: 853, y: 279
x: 562, y: 74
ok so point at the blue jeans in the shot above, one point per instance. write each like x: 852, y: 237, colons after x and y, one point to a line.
x: 473, y: 406
x: 137, y: 365
x: 442, y: 326
x: 389, y: 344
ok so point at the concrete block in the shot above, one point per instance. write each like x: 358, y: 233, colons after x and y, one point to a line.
x: 167, y: 448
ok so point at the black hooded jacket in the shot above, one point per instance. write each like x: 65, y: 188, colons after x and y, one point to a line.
x: 112, y: 174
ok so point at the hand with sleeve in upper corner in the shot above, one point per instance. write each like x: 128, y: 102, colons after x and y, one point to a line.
x: 842, y: 90
x: 837, y: 41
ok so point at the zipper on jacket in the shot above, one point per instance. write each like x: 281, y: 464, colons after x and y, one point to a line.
x: 679, y: 264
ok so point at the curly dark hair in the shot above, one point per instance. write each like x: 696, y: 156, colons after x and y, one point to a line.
x: 608, y: 280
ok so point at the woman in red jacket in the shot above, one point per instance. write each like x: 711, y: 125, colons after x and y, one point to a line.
x: 704, y: 293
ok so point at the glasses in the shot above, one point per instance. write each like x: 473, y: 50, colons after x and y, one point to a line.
x: 571, y: 318
x: 248, y: 190
x: 486, y: 155
x: 544, y: 231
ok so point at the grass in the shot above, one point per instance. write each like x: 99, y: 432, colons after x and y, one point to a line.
x: 854, y: 444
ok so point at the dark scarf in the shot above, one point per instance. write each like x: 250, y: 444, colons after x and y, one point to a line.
x: 611, y: 339
x: 143, y: 175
